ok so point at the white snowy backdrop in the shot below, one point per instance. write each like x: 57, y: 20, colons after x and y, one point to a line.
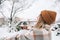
x: 34, y: 11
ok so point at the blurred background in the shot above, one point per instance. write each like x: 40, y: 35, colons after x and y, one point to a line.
x: 26, y: 12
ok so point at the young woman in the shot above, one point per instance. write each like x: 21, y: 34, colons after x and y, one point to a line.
x: 41, y: 31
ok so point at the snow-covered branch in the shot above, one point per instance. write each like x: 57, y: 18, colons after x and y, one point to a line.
x: 14, y: 7
x: 2, y: 14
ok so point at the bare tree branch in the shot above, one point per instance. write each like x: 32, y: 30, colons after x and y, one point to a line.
x: 17, y: 10
x: 20, y: 9
x: 11, y: 13
x: 2, y: 14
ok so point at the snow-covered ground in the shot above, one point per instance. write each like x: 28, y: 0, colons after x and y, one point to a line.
x: 4, y: 33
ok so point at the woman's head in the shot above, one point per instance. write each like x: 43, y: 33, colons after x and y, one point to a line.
x: 46, y: 17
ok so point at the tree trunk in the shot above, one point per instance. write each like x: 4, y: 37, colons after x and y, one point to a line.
x: 11, y: 17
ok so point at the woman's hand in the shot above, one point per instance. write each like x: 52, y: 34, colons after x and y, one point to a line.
x: 47, y: 27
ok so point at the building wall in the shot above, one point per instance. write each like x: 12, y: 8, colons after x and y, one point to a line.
x: 2, y: 21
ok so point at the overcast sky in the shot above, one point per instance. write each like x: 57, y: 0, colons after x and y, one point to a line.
x: 34, y: 10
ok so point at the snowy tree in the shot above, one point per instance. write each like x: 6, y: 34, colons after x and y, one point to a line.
x: 15, y: 7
